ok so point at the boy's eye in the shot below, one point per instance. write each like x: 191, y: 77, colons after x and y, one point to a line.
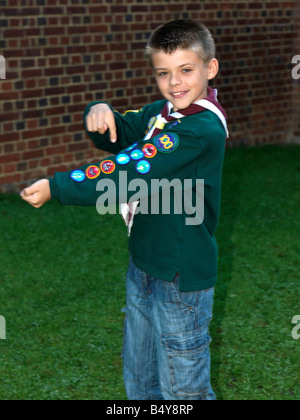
x: 186, y: 70
x: 162, y: 74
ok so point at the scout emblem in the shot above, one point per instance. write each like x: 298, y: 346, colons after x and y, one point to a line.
x: 107, y: 166
x: 143, y: 167
x: 122, y: 159
x: 93, y: 172
x: 78, y: 176
x: 149, y: 151
x: 167, y: 143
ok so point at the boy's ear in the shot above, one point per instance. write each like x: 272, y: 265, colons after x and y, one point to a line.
x: 213, y: 69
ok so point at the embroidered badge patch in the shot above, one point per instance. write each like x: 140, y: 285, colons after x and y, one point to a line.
x: 78, y: 176
x: 92, y: 172
x: 167, y: 143
x: 143, y: 167
x: 107, y: 166
x: 149, y: 150
x: 137, y: 154
x: 151, y: 124
x: 131, y: 147
x: 122, y: 159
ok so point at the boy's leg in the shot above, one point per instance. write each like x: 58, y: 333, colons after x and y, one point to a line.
x: 139, y: 352
x: 182, y: 340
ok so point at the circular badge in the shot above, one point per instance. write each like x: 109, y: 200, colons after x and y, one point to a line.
x: 131, y: 147
x: 93, y: 172
x: 143, y: 167
x: 137, y: 154
x: 78, y: 176
x: 107, y: 166
x: 167, y: 143
x: 122, y: 159
x: 149, y: 150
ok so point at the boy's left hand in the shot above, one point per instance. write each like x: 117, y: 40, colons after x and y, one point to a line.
x: 37, y: 194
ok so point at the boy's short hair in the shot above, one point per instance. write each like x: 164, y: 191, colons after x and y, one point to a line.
x: 183, y: 34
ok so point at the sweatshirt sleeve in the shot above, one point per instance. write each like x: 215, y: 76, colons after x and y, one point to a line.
x: 173, y: 154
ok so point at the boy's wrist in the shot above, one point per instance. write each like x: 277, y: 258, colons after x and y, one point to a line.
x: 54, y: 190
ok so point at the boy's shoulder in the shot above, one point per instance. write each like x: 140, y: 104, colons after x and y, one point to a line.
x: 154, y: 108
x: 204, y: 124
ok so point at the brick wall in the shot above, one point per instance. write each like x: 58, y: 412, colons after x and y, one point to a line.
x: 62, y: 54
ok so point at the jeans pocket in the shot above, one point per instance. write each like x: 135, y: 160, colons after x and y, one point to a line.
x: 189, y: 362
x: 186, y: 301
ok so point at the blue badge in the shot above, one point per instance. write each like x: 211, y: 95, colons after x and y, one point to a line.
x: 166, y: 143
x: 122, y: 159
x: 143, y: 167
x: 137, y: 154
x: 78, y: 176
x: 131, y: 147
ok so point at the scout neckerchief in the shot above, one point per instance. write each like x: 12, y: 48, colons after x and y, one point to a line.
x: 211, y: 103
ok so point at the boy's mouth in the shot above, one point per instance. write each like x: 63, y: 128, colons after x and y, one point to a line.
x: 178, y: 94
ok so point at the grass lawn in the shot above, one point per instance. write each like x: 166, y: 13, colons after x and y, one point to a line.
x: 62, y: 288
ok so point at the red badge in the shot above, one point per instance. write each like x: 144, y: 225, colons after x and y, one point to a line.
x: 93, y: 172
x: 107, y: 167
x: 149, y: 150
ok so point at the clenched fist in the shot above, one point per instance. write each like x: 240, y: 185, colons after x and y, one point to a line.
x: 37, y: 194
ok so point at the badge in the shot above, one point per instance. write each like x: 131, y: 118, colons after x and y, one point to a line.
x: 107, y: 166
x: 149, y: 150
x: 92, y: 172
x: 143, y: 167
x: 78, y: 176
x: 150, y: 125
x: 167, y: 143
x: 137, y: 154
x: 122, y: 159
x: 131, y: 147
x: 175, y: 123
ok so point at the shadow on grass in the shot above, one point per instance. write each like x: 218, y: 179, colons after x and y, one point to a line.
x: 234, y: 171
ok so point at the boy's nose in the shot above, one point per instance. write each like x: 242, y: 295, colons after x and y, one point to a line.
x: 175, y: 80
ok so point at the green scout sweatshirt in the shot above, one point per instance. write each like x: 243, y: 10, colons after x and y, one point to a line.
x: 185, y: 152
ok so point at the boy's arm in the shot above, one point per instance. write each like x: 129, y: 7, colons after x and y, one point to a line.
x: 177, y: 153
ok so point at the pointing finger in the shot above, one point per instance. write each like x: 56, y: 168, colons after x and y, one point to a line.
x: 112, y: 128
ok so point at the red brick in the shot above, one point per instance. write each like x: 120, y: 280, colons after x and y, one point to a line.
x: 10, y: 158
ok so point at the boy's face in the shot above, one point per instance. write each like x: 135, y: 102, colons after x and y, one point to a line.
x: 182, y: 77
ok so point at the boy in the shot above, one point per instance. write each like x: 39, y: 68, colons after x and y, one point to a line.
x: 173, y: 267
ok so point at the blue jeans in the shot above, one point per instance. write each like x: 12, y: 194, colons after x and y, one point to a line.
x: 166, y: 340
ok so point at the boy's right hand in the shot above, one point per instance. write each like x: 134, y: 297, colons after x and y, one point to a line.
x: 101, y: 118
x: 37, y: 194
